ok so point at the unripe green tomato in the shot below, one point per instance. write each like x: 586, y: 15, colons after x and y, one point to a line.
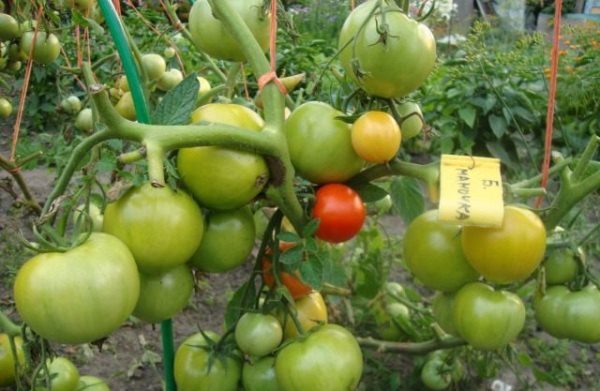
x: 435, y: 375
x: 85, y: 120
x: 5, y: 108
x: 46, y: 49
x: 92, y: 383
x: 71, y: 104
x: 81, y: 5
x: 169, y: 52
x: 15, y: 66
x: 561, y: 266
x: 169, y: 79
x: 413, y: 124
x: 15, y: 53
x: 258, y: 334
x: 63, y: 374
x: 154, y: 65
x: 260, y: 375
x: 125, y: 106
x: 9, y: 27
x: 122, y: 84
x: 441, y: 307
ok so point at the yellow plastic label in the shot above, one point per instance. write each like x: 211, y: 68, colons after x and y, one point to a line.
x: 471, y: 191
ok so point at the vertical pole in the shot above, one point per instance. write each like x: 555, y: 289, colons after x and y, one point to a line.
x: 143, y: 116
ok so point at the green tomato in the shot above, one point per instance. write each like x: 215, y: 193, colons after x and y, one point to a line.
x: 5, y: 108
x: 7, y: 359
x: 195, y: 370
x: 78, y: 306
x: 573, y: 315
x: 95, y: 214
x: 227, y: 241
x: 561, y: 267
x: 258, y: 334
x: 433, y: 253
x: 169, y: 79
x: 485, y: 318
x: 169, y: 52
x: 386, y: 328
x: 85, y: 120
x: 388, y: 66
x: 63, y: 374
x: 46, y: 48
x: 126, y: 107
x: 441, y: 307
x: 320, y: 145
x: 71, y: 104
x: 208, y: 171
x: 162, y: 227
x: 260, y: 376
x: 154, y: 65
x: 328, y: 359
x: 9, y: 27
x: 92, y: 383
x: 413, y: 123
x: 164, y: 295
x: 435, y: 375
x: 212, y: 37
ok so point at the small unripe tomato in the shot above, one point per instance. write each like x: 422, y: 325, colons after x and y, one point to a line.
x: 412, y: 124
x: 169, y: 79
x: 154, y: 65
x: 169, y: 52
x: 71, y: 104
x: 5, y: 108
x: 84, y: 120
x: 125, y: 106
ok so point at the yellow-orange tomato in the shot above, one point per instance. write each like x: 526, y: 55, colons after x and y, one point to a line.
x: 376, y: 137
x: 310, y: 311
x: 509, y: 253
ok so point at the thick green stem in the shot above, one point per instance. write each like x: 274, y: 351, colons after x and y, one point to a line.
x: 156, y: 167
x: 428, y: 173
x: 411, y: 347
x: 8, y: 326
x: 586, y: 157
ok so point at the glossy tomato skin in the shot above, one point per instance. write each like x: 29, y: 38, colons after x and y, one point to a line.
x: 561, y: 266
x: 212, y: 37
x: 485, y: 318
x: 162, y: 227
x: 390, y: 67
x: 291, y: 281
x: 207, y: 171
x: 79, y: 306
x: 433, y: 253
x: 376, y: 137
x: 311, y: 311
x: 46, y: 48
x: 92, y: 383
x: 193, y: 373
x: 328, y: 359
x: 260, y: 376
x: 63, y: 373
x: 340, y: 211
x: 509, y: 253
x: 320, y: 145
x: 227, y: 241
x: 7, y: 359
x: 570, y: 314
x: 258, y: 334
x: 164, y: 295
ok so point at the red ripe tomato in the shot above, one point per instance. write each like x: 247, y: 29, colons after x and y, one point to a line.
x: 340, y: 211
x: 296, y: 287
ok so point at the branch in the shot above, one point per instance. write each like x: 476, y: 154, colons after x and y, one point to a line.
x: 411, y: 347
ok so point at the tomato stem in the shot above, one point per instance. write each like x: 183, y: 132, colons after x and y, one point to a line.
x: 8, y: 326
x: 411, y: 347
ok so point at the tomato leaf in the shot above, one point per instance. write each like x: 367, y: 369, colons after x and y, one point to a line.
x: 407, y: 198
x: 309, y: 229
x: 239, y: 302
x: 289, y: 237
x: 498, y: 125
x: 468, y: 114
x: 369, y: 192
x: 177, y: 104
x: 292, y: 256
x: 312, y: 272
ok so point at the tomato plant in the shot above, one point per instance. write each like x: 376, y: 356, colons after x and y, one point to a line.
x: 164, y: 295
x: 328, y: 359
x: 389, y: 55
x: 211, y: 36
x: 162, y: 227
x: 8, y: 359
x: 509, y: 253
x: 313, y: 128
x: 260, y: 375
x: 340, y: 211
x: 63, y: 375
x: 79, y: 306
x: 196, y: 370
x: 376, y: 136
x: 310, y: 311
x: 227, y: 241
x: 570, y: 314
x: 206, y: 171
x: 485, y: 318
x: 258, y: 334
x: 433, y: 253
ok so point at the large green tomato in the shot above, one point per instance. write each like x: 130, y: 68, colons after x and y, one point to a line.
x: 509, y: 253
x: 328, y: 359
x: 433, y: 253
x: 7, y: 359
x: 221, y: 178
x: 46, y: 48
x: 63, y: 374
x: 391, y: 63
x: 320, y: 145
x: 164, y: 295
x: 485, y: 318
x: 258, y: 334
x: 162, y: 227
x: 228, y: 240
x: 573, y: 315
x: 260, y: 376
x: 92, y: 383
x: 195, y: 370
x: 212, y: 37
x: 81, y: 295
